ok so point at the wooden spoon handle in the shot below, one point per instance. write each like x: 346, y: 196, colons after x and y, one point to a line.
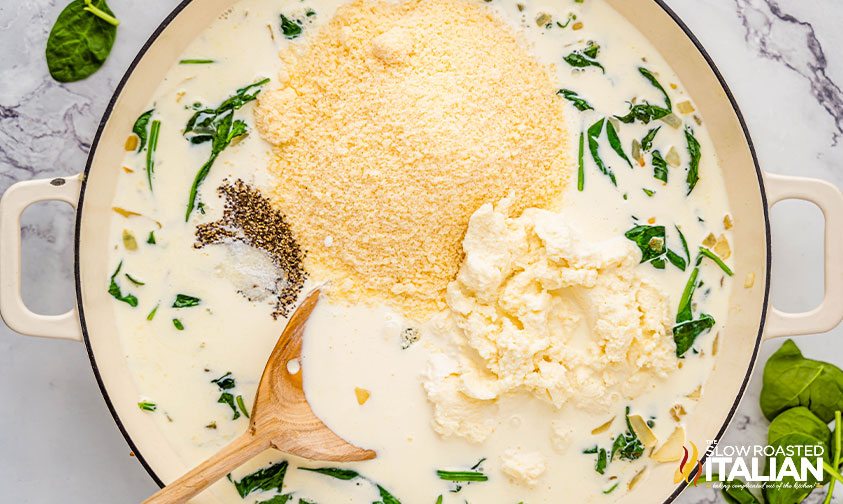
x: 232, y: 456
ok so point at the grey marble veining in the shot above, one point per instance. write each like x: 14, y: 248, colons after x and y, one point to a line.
x: 782, y: 59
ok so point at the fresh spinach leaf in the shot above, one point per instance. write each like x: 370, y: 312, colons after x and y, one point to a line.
x: 580, y: 168
x: 114, y: 289
x: 80, y: 40
x: 647, y: 141
x: 178, y: 325
x: 791, y: 380
x: 579, y: 102
x: 147, y: 406
x: 786, y: 490
x: 801, y: 420
x: 838, y: 446
x: 266, y: 479
x: 594, y: 132
x: 140, y: 128
x: 659, y: 167
x: 685, y: 333
x: 615, y: 142
x: 585, y: 57
x: 694, y: 166
x: 291, y: 29
x: 185, y: 301
x: 736, y: 492
x: 334, y: 472
x: 150, y: 150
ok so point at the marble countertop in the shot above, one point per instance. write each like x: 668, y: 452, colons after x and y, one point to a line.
x: 781, y: 58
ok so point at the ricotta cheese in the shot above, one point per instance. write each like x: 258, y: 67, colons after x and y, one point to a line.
x: 535, y: 309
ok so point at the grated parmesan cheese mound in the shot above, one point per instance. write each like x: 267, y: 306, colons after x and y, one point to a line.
x: 392, y: 126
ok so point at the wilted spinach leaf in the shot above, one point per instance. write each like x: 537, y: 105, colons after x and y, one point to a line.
x: 115, y: 292
x: 792, y: 380
x: 291, y: 29
x: 615, y: 142
x: 225, y: 382
x: 646, y: 112
x: 80, y: 40
x: 627, y: 445
x: 650, y: 77
x: 659, y: 166
x: 694, y: 166
x: 185, y: 301
x: 578, y: 101
x: 647, y: 141
x: 140, y: 128
x: 594, y: 132
x: 685, y: 333
x: 585, y: 57
x: 278, y: 499
x: 334, y: 472
x: 268, y: 478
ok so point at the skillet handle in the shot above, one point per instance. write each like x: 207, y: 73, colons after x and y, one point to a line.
x: 829, y: 199
x: 12, y: 308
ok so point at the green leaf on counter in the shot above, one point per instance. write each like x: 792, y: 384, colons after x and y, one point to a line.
x: 659, y: 167
x: 615, y: 142
x: 647, y: 141
x: 178, y: 325
x: 334, y: 472
x: 694, y: 166
x: 80, y: 40
x: 114, y: 289
x: 141, y: 127
x: 685, y: 333
x: 185, y: 301
x: 594, y: 132
x: 266, y: 479
x: 147, y: 406
x: 579, y: 102
x: 791, y: 380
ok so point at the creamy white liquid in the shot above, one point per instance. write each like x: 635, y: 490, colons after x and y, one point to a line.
x: 348, y: 347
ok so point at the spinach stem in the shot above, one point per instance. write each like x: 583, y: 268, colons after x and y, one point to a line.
x: 714, y: 257
x: 832, y: 471
x: 108, y: 18
x: 150, y: 150
x: 580, y: 170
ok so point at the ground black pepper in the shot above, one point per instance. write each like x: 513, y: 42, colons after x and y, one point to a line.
x: 248, y: 217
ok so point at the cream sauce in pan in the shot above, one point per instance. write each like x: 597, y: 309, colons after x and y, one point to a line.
x: 359, y: 347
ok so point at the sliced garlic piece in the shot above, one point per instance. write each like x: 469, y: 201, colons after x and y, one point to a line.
x: 671, y: 450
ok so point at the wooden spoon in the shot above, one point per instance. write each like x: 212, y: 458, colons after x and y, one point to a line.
x: 281, y: 419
